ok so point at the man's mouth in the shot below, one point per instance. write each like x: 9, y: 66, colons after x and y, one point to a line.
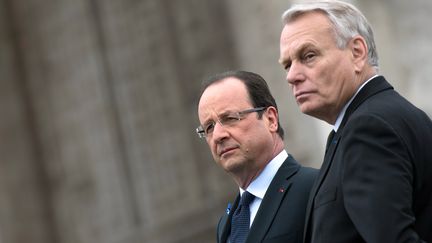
x: 226, y: 150
x: 302, y: 95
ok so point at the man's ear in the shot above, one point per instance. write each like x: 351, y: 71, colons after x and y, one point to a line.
x: 359, y: 50
x: 272, y: 117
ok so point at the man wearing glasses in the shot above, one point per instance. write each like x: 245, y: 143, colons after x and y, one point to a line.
x: 240, y: 123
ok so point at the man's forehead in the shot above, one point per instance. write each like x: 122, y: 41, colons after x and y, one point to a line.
x: 226, y: 89
x: 295, y: 38
x: 223, y: 97
x: 307, y: 23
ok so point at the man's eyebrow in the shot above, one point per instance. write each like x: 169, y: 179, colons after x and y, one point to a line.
x: 223, y: 113
x: 226, y: 112
x: 303, y: 48
x: 297, y: 52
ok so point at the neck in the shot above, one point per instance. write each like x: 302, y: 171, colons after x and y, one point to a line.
x: 246, y: 177
x: 366, y: 75
x: 360, y: 79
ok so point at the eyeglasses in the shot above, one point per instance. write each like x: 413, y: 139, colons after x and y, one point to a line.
x: 226, y: 120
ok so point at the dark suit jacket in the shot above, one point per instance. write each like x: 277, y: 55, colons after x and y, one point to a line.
x: 280, y: 217
x: 375, y: 184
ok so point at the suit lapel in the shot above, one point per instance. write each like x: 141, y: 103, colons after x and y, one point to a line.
x: 224, y: 227
x: 328, y: 157
x: 273, y: 198
x: 376, y: 85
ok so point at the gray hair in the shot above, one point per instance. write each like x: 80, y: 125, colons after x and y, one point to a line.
x: 347, y: 22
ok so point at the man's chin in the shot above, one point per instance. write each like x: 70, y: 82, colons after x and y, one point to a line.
x: 307, y: 109
x: 231, y: 165
x: 304, y: 108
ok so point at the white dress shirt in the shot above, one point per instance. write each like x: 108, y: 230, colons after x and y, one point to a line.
x: 259, y: 186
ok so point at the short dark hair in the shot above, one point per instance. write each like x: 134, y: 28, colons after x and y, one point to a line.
x: 256, y: 86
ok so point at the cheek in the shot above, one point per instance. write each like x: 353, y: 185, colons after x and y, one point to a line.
x: 327, y: 82
x: 335, y: 82
x: 212, y: 148
x: 327, y: 94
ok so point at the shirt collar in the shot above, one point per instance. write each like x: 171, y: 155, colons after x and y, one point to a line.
x: 342, y: 113
x: 258, y: 187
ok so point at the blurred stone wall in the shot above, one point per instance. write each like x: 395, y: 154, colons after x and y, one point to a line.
x: 98, y: 109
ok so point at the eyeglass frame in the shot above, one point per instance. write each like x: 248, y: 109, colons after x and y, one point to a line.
x: 201, y: 131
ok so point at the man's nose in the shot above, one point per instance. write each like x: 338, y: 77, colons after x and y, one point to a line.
x: 219, y: 132
x: 295, y: 73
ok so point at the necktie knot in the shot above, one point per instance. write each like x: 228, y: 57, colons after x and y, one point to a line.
x: 246, y: 198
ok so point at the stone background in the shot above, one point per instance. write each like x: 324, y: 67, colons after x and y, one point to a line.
x: 98, y: 109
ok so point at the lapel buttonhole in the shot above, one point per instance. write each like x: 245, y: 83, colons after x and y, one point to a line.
x: 228, y: 209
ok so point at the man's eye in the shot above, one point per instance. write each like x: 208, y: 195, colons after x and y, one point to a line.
x: 309, y: 56
x: 230, y: 119
x: 209, y: 128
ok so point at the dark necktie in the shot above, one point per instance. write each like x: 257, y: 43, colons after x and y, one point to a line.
x: 330, y: 139
x: 241, y: 218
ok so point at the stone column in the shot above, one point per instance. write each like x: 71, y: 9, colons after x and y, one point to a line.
x: 74, y: 123
x: 24, y: 208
